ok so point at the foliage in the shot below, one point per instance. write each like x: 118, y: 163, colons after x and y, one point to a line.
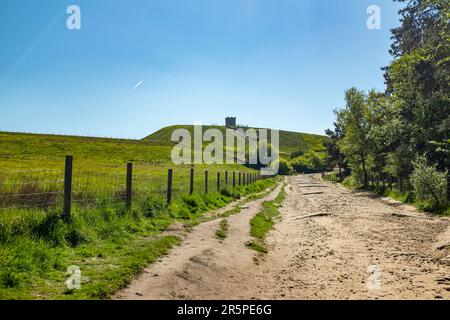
x: 285, y: 167
x: 310, y: 162
x: 378, y: 135
x: 429, y: 184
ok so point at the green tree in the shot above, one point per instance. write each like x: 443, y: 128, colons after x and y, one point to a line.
x: 419, y: 77
x: 355, y: 143
x: 428, y: 182
x: 310, y: 162
x: 285, y: 167
x: 334, y: 155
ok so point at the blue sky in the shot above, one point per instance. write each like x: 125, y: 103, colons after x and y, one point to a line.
x: 281, y: 64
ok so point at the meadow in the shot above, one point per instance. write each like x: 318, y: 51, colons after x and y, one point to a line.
x: 109, y: 242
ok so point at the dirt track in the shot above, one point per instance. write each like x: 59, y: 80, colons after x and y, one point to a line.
x: 319, y: 257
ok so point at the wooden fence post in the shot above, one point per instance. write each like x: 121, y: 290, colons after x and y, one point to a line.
x: 234, y: 179
x: 239, y: 178
x: 129, y: 185
x: 226, y: 178
x: 218, y: 181
x: 243, y: 178
x: 169, y: 186
x: 191, y: 182
x: 206, y: 181
x: 68, y: 188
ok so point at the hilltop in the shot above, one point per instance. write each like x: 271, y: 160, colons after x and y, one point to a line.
x: 25, y: 150
x: 289, y: 141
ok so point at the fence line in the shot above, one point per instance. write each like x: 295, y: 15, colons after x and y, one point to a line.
x: 389, y: 182
x: 96, y: 189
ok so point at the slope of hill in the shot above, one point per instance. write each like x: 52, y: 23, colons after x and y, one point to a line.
x: 23, y: 150
x: 28, y: 151
x: 289, y: 141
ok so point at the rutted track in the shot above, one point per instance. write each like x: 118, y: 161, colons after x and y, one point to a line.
x: 203, y: 267
x: 324, y: 256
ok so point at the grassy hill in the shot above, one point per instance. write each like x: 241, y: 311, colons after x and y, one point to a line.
x: 289, y: 141
x: 109, y: 243
x: 23, y: 151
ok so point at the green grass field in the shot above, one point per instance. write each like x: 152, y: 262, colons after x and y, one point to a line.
x: 31, y: 166
x: 107, y: 241
x: 34, y: 164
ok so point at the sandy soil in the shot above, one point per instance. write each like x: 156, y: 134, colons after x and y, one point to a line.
x: 362, y: 247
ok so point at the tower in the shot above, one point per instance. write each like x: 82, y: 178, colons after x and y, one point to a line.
x: 230, y: 122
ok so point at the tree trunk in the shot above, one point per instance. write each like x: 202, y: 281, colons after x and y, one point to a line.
x: 448, y: 187
x: 366, y: 177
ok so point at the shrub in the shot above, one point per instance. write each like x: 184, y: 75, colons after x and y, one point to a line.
x: 310, y: 162
x: 285, y: 168
x: 429, y: 184
x: 352, y: 183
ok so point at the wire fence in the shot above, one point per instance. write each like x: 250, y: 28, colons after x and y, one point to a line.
x: 388, y: 182
x: 58, y: 189
x: 34, y: 188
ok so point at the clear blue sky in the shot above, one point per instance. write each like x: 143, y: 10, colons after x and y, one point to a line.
x: 282, y: 64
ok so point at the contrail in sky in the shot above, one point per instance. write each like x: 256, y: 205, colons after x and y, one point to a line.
x: 137, y: 85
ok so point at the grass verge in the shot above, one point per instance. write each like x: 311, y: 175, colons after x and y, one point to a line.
x: 230, y: 212
x: 263, y: 222
x: 222, y: 232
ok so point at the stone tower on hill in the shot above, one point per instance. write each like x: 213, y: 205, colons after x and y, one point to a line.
x: 230, y: 122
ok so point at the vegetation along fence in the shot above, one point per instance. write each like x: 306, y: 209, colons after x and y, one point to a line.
x: 64, y: 189
x: 388, y: 182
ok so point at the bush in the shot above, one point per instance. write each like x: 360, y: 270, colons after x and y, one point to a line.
x: 429, y: 184
x: 310, y: 162
x: 351, y: 183
x: 285, y: 168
